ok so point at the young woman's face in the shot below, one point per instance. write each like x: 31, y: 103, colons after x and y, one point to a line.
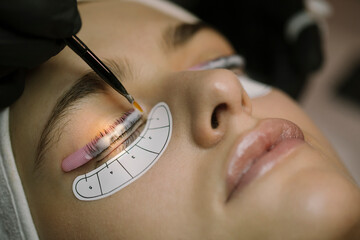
x: 193, y: 191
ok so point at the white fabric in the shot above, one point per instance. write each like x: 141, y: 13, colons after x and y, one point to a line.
x: 15, y: 218
x: 253, y: 88
x: 315, y: 12
x: 297, y: 23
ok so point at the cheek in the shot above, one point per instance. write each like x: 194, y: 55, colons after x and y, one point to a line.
x: 160, y: 199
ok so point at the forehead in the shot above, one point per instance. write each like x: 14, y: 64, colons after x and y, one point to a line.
x: 131, y: 29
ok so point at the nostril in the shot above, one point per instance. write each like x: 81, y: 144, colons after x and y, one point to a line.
x: 214, y: 120
x: 215, y: 117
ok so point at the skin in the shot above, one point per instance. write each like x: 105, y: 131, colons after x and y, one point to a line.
x: 310, y: 195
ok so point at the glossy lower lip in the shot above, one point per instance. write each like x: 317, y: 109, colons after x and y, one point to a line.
x: 259, y: 151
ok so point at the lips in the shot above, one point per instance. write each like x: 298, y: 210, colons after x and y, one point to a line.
x: 260, y: 150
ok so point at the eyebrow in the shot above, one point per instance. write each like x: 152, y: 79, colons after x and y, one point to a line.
x: 90, y: 84
x: 177, y: 36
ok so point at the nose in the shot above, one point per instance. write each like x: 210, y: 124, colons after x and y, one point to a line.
x: 213, y: 98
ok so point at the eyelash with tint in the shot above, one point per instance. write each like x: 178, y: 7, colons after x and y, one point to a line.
x: 119, y: 132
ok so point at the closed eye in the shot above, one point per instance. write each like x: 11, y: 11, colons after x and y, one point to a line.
x: 231, y: 62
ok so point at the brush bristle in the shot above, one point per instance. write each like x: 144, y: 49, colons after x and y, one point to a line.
x: 137, y: 106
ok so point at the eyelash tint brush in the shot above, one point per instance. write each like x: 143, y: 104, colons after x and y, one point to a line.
x: 99, y: 67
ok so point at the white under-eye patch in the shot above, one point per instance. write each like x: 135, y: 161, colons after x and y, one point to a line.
x: 132, y: 162
x: 254, y: 89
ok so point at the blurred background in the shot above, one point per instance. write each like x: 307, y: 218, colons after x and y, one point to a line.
x: 332, y: 96
x: 309, y: 49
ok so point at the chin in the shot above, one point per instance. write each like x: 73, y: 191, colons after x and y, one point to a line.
x: 327, y: 203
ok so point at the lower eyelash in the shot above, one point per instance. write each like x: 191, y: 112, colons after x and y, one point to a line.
x: 228, y: 62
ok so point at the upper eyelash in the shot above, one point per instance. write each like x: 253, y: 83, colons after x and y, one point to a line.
x: 125, y: 143
x: 110, y: 128
x: 93, y: 150
x: 128, y: 139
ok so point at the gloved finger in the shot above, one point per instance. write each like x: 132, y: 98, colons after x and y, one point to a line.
x: 11, y: 87
x: 43, y: 18
x: 19, y: 51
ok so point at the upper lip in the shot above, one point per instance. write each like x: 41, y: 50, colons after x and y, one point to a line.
x: 252, y: 145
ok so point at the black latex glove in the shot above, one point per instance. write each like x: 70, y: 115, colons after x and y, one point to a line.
x: 31, y: 32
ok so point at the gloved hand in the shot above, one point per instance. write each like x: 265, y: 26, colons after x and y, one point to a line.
x: 31, y: 31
